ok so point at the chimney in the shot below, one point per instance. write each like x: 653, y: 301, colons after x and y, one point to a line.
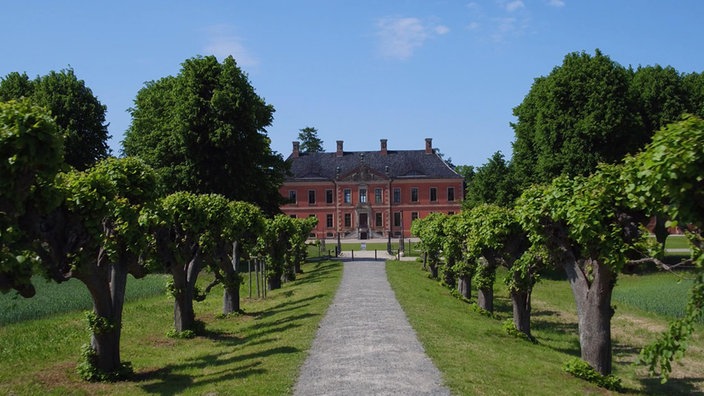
x: 383, y: 147
x: 339, y: 149
x: 296, y: 149
x: 428, y: 145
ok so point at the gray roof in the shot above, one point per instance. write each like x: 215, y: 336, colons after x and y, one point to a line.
x: 396, y: 164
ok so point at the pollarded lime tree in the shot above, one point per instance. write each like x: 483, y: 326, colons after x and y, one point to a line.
x: 495, y: 238
x: 32, y: 150
x: 452, y: 250
x: 97, y: 236
x: 430, y: 231
x: 465, y: 267
x: 240, y: 236
x: 274, y: 243
x: 298, y: 250
x: 589, y: 228
x: 667, y: 178
x: 189, y: 228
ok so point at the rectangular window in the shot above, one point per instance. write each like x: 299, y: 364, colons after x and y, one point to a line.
x: 328, y: 196
x: 379, y: 220
x: 450, y: 194
x: 293, y: 216
x: 414, y: 215
x: 328, y: 221
x: 397, y: 219
x: 414, y: 194
x: 450, y: 213
x: 311, y: 197
x: 397, y: 195
x: 292, y: 196
x: 362, y: 195
x: 433, y: 194
x: 377, y: 196
x: 348, y: 195
x: 348, y: 220
x: 311, y: 215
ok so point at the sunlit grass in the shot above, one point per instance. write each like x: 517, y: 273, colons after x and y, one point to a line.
x: 257, y: 353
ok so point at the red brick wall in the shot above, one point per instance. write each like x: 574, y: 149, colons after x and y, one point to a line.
x: 406, y: 207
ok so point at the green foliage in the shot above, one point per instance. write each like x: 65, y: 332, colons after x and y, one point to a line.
x: 491, y: 183
x: 510, y: 328
x: 310, y: 142
x: 581, y: 369
x: 182, y: 335
x: 88, y: 370
x: 578, y: 116
x: 99, y: 324
x: 79, y: 115
x: 33, y: 151
x: 204, y: 130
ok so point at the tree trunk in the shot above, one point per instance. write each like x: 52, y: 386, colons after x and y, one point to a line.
x: 485, y: 298
x: 184, y: 287
x: 106, y: 284
x: 274, y: 282
x: 464, y: 286
x: 594, y: 312
x: 448, y: 273
x: 521, y: 311
x: 231, y: 295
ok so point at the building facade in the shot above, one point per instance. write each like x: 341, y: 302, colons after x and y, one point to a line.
x: 369, y: 194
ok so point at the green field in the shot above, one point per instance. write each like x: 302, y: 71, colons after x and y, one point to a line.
x: 476, y: 357
x: 260, y: 352
x: 257, y: 353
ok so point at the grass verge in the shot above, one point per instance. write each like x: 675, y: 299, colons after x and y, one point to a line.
x: 258, y: 352
x: 477, y: 358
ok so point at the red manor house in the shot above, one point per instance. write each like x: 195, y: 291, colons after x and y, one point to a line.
x: 369, y: 194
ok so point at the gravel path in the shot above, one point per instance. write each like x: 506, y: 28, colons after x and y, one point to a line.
x: 365, y: 345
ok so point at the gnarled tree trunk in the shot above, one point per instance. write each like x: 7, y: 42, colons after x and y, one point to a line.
x: 231, y: 295
x: 184, y: 288
x: 593, y: 298
x: 485, y: 298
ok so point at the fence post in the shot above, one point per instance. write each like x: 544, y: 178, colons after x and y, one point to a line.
x: 374, y: 254
x: 352, y: 251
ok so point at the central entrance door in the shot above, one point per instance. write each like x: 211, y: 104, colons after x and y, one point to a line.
x: 363, y: 225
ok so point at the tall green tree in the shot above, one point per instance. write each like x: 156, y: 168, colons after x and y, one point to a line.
x: 204, y: 131
x: 578, y: 116
x: 310, y: 142
x: 491, y: 183
x: 78, y: 113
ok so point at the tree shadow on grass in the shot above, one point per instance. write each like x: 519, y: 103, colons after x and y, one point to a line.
x: 553, y: 334
x: 317, y: 273
x: 675, y: 386
x: 168, y: 380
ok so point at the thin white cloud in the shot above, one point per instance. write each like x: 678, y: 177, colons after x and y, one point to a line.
x: 441, y: 29
x: 222, y: 43
x: 514, y: 5
x: 399, y: 37
x: 556, y: 3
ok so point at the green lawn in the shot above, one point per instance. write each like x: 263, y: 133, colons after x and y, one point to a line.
x: 477, y: 358
x: 258, y: 353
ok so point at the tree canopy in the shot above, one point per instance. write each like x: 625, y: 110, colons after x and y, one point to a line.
x: 78, y: 113
x: 310, y: 142
x: 591, y: 110
x: 204, y: 131
x: 491, y: 183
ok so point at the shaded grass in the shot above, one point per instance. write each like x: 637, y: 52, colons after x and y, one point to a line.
x: 52, y: 298
x: 258, y: 352
x: 477, y: 358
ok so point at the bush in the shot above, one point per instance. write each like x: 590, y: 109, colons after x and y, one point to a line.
x: 581, y: 369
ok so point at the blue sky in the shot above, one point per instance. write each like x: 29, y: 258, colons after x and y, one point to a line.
x: 357, y: 70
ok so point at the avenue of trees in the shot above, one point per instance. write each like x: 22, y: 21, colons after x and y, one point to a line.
x: 600, y: 151
x: 193, y: 195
